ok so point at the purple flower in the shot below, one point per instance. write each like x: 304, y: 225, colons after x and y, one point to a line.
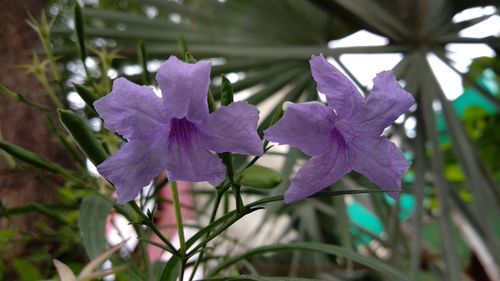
x: 175, y: 132
x: 346, y: 134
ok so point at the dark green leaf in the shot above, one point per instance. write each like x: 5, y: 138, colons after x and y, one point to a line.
x: 80, y: 31
x: 87, y: 95
x: 171, y: 269
x: 226, y: 92
x: 83, y: 136
x: 143, y: 62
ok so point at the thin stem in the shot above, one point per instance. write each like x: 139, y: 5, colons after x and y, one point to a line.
x: 52, y: 94
x: 180, y: 228
x: 155, y: 229
x: 218, y: 199
x: 178, y: 218
x: 252, y: 162
x: 144, y: 251
x: 237, y: 196
x: 89, y: 78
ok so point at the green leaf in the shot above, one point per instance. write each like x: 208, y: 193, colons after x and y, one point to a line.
x: 92, y: 222
x: 80, y: 31
x: 34, y: 159
x: 143, y: 62
x: 171, y: 269
x: 372, y: 263
x: 226, y: 92
x: 260, y: 177
x: 87, y: 95
x: 211, y: 102
x: 26, y: 271
x: 83, y: 136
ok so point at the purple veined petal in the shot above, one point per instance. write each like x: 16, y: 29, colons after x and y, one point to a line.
x: 386, y: 102
x: 340, y: 93
x: 379, y: 160
x: 319, y: 172
x: 187, y: 159
x: 232, y: 129
x: 131, y: 110
x: 184, y: 88
x: 307, y: 126
x: 134, y: 166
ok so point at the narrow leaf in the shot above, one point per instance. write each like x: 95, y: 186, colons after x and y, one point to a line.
x: 87, y: 95
x: 83, y: 136
x: 80, y: 31
x: 143, y: 62
x: 171, y: 269
x: 226, y: 92
x: 32, y: 158
x: 328, y: 249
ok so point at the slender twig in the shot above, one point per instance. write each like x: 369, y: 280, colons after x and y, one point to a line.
x: 147, y: 221
x: 180, y: 228
x: 215, y: 207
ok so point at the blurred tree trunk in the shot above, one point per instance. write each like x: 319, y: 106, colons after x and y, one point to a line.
x: 23, y: 125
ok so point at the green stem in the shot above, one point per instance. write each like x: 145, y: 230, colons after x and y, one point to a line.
x: 89, y: 78
x: 144, y: 251
x: 237, y: 196
x: 178, y: 218
x: 52, y: 94
x: 154, y: 228
x: 53, y: 65
x: 218, y: 199
x: 180, y: 228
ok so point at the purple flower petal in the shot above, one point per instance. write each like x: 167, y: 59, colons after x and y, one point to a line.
x: 131, y: 110
x: 307, y: 126
x: 386, y: 102
x: 380, y: 161
x: 339, y: 91
x: 187, y: 159
x: 232, y: 129
x: 185, y: 88
x: 319, y: 172
x: 134, y: 166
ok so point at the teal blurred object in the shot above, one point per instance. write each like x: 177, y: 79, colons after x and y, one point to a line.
x: 363, y: 218
x: 471, y: 98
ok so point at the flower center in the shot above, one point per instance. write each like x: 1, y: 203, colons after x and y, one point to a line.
x: 181, y: 131
x: 343, y: 130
